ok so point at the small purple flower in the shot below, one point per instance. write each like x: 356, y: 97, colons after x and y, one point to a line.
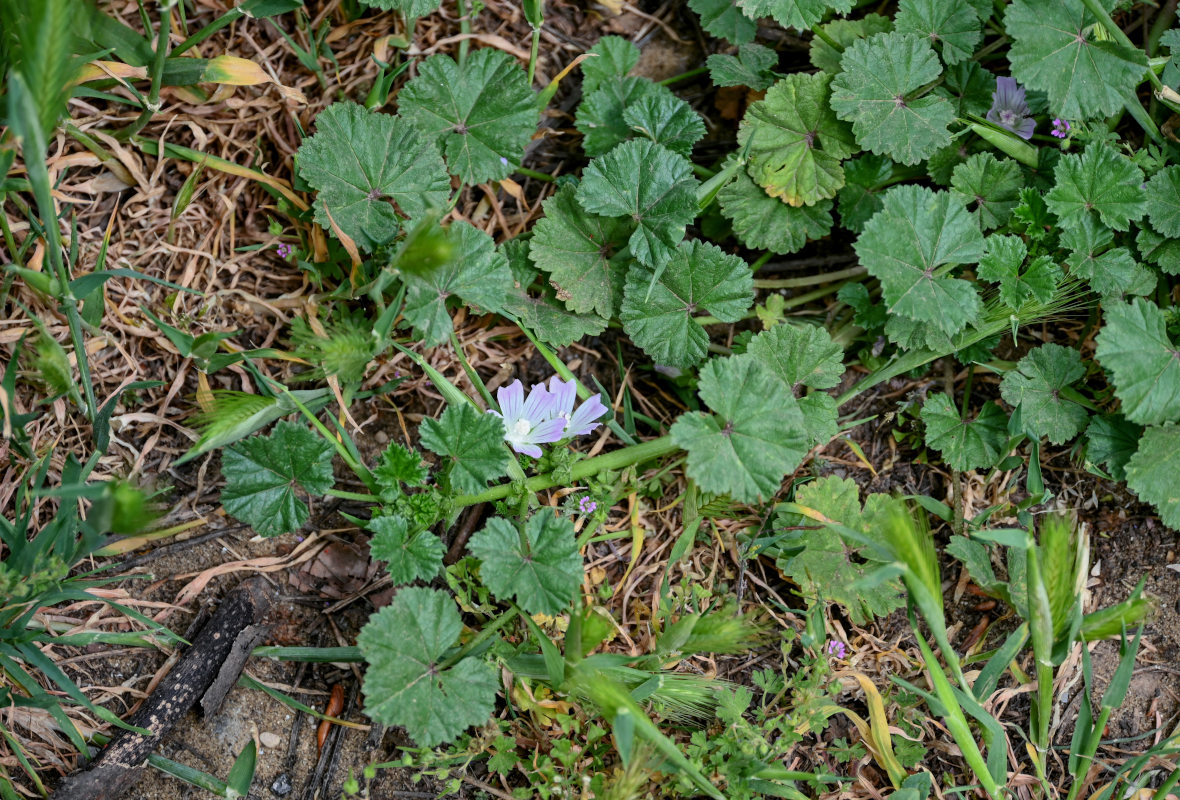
x: 547, y: 415
x: 837, y: 649
x: 283, y: 250
x: 1060, y: 128
x: 586, y: 505
x: 1009, y: 109
x: 528, y: 421
x: 581, y: 421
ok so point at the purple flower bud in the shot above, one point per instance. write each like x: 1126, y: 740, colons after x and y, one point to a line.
x: 283, y: 250
x: 1060, y: 128
x: 837, y: 649
x: 587, y: 506
x: 1010, y: 110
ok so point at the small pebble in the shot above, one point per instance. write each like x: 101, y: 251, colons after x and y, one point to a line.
x: 281, y: 786
x: 270, y: 740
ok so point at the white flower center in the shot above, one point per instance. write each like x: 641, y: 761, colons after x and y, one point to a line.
x: 521, y: 428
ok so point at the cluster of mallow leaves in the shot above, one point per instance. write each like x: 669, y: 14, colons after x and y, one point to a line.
x: 1000, y: 230
x: 998, y: 233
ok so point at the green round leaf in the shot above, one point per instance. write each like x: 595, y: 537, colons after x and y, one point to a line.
x: 699, y: 278
x: 404, y: 645
x: 795, y: 142
x: 482, y: 114
x: 1034, y: 388
x: 408, y: 556
x: 1152, y: 472
x: 755, y: 437
x: 542, y: 573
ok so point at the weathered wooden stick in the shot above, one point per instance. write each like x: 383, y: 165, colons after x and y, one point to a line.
x: 122, y: 763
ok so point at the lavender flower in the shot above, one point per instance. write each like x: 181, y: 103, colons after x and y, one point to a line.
x: 283, y: 250
x: 1060, y: 128
x: 586, y: 505
x: 546, y: 415
x: 528, y: 421
x: 837, y: 649
x: 581, y: 421
x: 1009, y: 109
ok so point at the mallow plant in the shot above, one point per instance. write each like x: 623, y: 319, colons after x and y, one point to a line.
x: 993, y: 165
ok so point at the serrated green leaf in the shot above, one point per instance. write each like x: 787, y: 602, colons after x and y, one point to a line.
x: 649, y: 184
x: 976, y: 559
x: 476, y: 273
x: 867, y: 312
x: 953, y: 24
x: 752, y: 66
x: 399, y: 465
x: 819, y: 418
x: 723, y: 19
x: 474, y: 443
x: 795, y: 142
x: 404, y: 644
x: 800, y: 355
x: 482, y: 114
x: 1163, y: 201
x: 1054, y: 50
x: 600, y: 115
x: 843, y: 32
x: 613, y: 57
x: 1111, y: 441
x: 413, y: 9
x: 359, y: 161
x: 991, y: 184
x: 1099, y: 182
x: 1032, y: 214
x: 755, y: 437
x: 763, y: 222
x: 578, y: 251
x: 540, y: 310
x: 1002, y: 264
x: 965, y: 444
x: 874, y: 92
x: 1111, y: 271
x: 1034, y: 390
x: 909, y: 246
x: 798, y: 14
x: 969, y: 87
x: 699, y: 278
x: 1152, y: 471
x: 860, y: 197
x: 542, y: 576
x: 824, y: 564
x: 408, y: 556
x: 1159, y: 250
x: 909, y: 334
x: 1134, y: 347
x: 666, y: 119
x: 262, y: 472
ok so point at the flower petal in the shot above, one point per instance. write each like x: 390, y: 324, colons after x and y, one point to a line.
x: 583, y: 420
x: 528, y: 450
x: 1026, y: 127
x: 538, y: 405
x: 511, y: 399
x: 551, y: 430
x: 565, y: 394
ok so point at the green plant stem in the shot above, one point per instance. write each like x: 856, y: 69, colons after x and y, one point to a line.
x: 364, y: 498
x: 533, y: 54
x: 761, y: 262
x: 692, y: 73
x: 1161, y: 24
x: 14, y: 252
x: 472, y: 375
x: 809, y: 280
x: 537, y: 176
x: 616, y: 459
x: 481, y: 637
x: 465, y: 28
x: 822, y: 35
x: 152, y: 106
x: 790, y: 302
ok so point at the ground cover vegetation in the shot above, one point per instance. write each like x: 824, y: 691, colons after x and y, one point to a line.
x: 990, y: 192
